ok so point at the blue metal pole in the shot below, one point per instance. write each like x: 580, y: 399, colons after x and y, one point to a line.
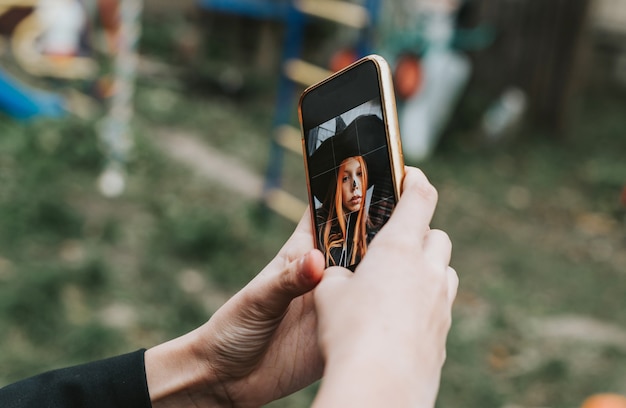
x: 292, y: 48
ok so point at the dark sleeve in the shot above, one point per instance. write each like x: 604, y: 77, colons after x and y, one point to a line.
x: 118, y: 382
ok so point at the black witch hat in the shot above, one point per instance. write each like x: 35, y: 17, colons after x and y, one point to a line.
x: 364, y: 136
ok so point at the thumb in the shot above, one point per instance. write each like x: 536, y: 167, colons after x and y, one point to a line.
x: 299, y: 277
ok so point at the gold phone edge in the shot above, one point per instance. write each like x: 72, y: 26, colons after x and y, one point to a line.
x: 394, y: 141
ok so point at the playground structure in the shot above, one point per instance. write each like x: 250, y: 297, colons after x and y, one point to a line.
x: 23, y: 102
x: 418, y: 38
x: 67, y: 62
x: 295, y: 72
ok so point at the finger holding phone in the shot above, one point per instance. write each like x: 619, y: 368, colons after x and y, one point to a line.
x: 382, y: 329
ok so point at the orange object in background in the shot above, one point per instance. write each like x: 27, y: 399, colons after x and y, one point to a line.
x: 109, y: 14
x: 407, y: 76
x: 605, y: 400
x: 110, y: 19
x: 342, y: 59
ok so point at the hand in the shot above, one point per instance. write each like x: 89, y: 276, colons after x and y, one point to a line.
x: 259, y: 346
x: 383, y: 329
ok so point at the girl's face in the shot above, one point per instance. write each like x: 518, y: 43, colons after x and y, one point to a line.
x: 351, y: 185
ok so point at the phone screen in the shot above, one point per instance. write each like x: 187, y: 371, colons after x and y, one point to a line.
x: 350, y: 175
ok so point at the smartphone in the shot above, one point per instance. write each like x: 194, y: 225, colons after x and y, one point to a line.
x: 352, y: 157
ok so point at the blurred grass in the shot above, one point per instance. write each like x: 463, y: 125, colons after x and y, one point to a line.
x: 538, y: 233
x: 537, y: 227
x: 84, y: 276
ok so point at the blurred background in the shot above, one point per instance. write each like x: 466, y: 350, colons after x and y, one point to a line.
x: 147, y: 171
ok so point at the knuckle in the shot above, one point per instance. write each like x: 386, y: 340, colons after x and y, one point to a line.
x: 417, y: 182
x: 397, y: 245
x: 441, y: 236
x: 288, y: 278
x: 454, y: 277
x: 428, y: 192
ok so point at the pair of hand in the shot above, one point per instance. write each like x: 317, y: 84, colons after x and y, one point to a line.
x: 377, y: 335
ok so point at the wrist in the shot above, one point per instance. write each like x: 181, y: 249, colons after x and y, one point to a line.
x: 373, y: 377
x: 179, y: 375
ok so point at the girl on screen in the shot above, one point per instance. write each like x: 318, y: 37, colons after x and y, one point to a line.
x: 345, y: 168
x: 343, y: 234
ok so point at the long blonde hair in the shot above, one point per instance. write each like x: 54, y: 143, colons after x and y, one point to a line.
x: 336, y: 212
